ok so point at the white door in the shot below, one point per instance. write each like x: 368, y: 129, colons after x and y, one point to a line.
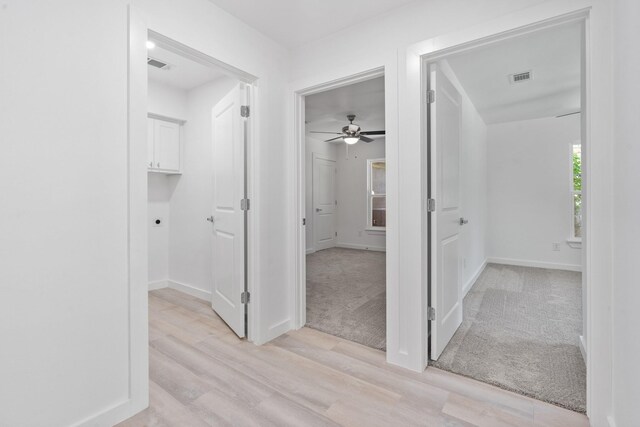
x: 167, y: 145
x: 446, y: 287
x: 227, y: 215
x: 324, y: 203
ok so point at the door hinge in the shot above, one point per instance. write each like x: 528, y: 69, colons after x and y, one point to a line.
x: 245, y: 204
x: 431, y: 96
x: 244, y: 111
x: 245, y: 297
x: 304, y: 221
x: 431, y: 313
x: 431, y: 205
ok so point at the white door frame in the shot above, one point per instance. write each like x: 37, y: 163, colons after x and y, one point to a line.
x: 299, y: 292
x: 139, y: 31
x: 421, y: 54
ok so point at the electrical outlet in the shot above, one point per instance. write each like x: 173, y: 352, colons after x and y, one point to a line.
x: 555, y: 246
x: 157, y: 222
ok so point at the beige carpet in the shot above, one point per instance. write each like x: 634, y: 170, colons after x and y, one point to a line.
x: 346, y: 295
x: 521, y: 332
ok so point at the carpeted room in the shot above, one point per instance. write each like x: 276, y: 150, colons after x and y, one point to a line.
x: 345, y: 189
x: 515, y: 317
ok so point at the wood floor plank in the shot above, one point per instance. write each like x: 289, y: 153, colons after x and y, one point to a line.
x: 203, y: 375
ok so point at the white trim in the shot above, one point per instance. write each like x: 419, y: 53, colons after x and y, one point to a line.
x: 532, y: 263
x: 376, y: 230
x: 189, y: 290
x: 110, y: 416
x: 155, y: 116
x: 467, y: 286
x: 311, y: 251
x: 137, y: 393
x: 583, y: 348
x: 160, y: 284
x: 361, y: 247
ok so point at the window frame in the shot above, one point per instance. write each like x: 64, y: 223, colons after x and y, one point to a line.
x: 370, y: 196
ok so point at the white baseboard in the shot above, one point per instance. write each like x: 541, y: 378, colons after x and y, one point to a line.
x: 190, y: 290
x: 361, y: 247
x: 537, y: 264
x: 160, y: 284
x: 187, y: 289
x: 113, y: 415
x: 583, y: 349
x: 467, y: 286
x: 310, y: 250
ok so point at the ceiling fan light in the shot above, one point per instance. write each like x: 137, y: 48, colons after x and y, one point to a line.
x: 351, y: 139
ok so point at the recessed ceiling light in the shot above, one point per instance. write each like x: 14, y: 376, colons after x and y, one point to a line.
x: 150, y: 44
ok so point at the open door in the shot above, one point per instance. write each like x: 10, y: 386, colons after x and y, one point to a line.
x: 444, y: 157
x: 229, y: 210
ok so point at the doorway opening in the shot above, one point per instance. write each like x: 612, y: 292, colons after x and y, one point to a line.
x: 344, y: 187
x: 198, y: 146
x: 506, y: 132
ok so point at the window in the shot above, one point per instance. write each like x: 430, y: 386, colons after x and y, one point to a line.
x: 576, y: 191
x: 376, y: 194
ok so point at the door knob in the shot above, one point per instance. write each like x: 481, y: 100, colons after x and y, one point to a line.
x: 463, y: 221
x: 318, y: 210
x: 211, y: 219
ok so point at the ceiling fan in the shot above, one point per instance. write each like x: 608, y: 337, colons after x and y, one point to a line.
x: 352, y: 133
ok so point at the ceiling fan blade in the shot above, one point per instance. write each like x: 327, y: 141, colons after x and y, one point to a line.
x: 365, y: 139
x: 333, y: 139
x: 373, y: 132
x: 332, y: 133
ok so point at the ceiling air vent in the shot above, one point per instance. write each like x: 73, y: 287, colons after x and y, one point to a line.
x: 520, y: 77
x: 157, y: 64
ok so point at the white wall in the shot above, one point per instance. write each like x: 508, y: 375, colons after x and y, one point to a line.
x: 191, y: 202
x: 167, y: 100
x: 352, y: 196
x: 626, y: 289
x: 530, y: 199
x: 158, y: 198
x: 64, y: 311
x: 322, y: 149
x: 171, y: 102
x: 63, y: 222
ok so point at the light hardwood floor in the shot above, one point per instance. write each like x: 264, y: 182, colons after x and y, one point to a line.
x: 202, y: 375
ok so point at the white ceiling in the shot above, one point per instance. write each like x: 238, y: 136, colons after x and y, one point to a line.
x: 553, y: 55
x: 183, y: 73
x: 295, y: 22
x: 327, y: 111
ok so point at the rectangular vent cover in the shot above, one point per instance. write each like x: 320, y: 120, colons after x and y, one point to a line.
x: 156, y: 63
x: 520, y: 77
